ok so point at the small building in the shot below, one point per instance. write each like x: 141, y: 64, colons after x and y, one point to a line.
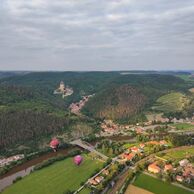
x: 168, y: 167
x: 184, y: 162
x: 105, y: 172
x: 154, y: 168
x: 93, y: 182
x: 99, y: 179
x: 135, y: 149
x: 179, y: 178
x: 142, y: 145
x: 128, y: 157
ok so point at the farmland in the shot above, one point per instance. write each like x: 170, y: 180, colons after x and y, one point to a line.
x: 179, y: 154
x: 172, y: 102
x: 133, y: 189
x: 183, y: 126
x: 57, y: 178
x: 157, y: 186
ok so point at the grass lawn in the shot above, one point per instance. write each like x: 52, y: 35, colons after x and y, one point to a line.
x: 129, y: 145
x: 179, y: 154
x: 183, y: 126
x: 157, y: 186
x: 174, y: 101
x: 57, y: 178
x: 85, y: 191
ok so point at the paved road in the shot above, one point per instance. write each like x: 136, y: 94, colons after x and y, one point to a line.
x: 88, y: 147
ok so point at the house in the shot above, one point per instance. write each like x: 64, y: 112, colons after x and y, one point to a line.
x: 99, y: 179
x: 153, y: 143
x: 105, y: 172
x: 154, y: 168
x: 141, y: 145
x: 164, y: 143
x: 128, y: 157
x: 168, y: 167
x: 179, y: 178
x: 92, y: 182
x: 188, y: 171
x: 135, y: 149
x: 184, y: 162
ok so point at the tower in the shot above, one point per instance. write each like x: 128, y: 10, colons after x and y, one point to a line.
x: 62, y: 86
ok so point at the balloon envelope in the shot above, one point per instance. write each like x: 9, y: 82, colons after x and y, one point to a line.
x: 78, y: 160
x: 54, y: 143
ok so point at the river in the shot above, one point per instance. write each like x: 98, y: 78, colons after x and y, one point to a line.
x: 25, y: 168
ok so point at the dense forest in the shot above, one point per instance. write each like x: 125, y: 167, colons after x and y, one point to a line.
x: 117, y: 102
x: 30, y: 111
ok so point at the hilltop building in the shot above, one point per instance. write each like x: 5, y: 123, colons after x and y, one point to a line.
x: 64, y: 90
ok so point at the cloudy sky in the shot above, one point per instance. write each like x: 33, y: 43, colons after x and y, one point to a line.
x: 96, y: 34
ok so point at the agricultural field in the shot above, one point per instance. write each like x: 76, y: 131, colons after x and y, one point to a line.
x: 57, y: 178
x: 157, y: 186
x: 183, y: 126
x: 186, y: 77
x: 133, y: 189
x: 172, y: 102
x: 179, y: 154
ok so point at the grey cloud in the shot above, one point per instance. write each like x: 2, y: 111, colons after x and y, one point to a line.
x: 96, y: 34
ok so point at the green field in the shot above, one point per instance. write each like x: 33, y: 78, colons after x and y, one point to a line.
x: 183, y: 126
x: 157, y: 186
x: 179, y: 154
x: 186, y: 77
x: 172, y: 102
x: 57, y: 178
x: 85, y: 191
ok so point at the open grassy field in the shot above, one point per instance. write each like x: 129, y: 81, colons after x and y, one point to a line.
x: 85, y: 191
x: 186, y: 78
x: 179, y: 154
x: 172, y: 102
x: 157, y: 186
x: 57, y: 178
x: 183, y: 126
x: 129, y: 145
x: 133, y: 189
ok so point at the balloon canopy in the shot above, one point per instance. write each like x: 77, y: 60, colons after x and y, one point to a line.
x: 54, y: 143
x: 78, y: 159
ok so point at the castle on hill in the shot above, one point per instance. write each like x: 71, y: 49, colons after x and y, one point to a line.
x: 64, y: 90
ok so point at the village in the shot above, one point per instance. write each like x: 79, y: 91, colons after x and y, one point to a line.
x: 7, y: 161
x: 77, y: 106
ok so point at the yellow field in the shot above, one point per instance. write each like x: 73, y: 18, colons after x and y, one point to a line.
x: 136, y: 190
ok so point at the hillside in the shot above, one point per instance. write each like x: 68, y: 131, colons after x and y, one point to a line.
x: 129, y: 95
x: 116, y: 103
x: 35, y: 113
x: 172, y: 102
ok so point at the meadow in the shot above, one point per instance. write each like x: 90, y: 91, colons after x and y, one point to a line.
x: 157, y: 186
x: 57, y: 178
x: 179, y: 154
x: 172, y: 102
x: 183, y: 126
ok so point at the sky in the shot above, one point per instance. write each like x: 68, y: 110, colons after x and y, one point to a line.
x: 88, y: 35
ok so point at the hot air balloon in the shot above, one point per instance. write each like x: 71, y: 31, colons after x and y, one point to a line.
x: 54, y: 144
x: 78, y: 160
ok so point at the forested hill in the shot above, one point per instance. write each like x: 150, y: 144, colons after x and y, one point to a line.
x: 127, y: 95
x: 34, y: 112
